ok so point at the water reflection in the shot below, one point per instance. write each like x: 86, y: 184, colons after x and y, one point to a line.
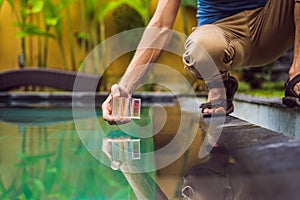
x: 44, y: 159
x: 41, y: 159
x: 217, y: 178
x: 123, y: 152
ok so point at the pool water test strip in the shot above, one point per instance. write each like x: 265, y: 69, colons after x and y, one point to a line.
x: 125, y: 149
x: 126, y: 107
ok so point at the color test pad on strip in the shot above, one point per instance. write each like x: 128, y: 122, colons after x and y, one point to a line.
x: 126, y: 107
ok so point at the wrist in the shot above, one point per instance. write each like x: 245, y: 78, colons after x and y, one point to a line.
x: 118, y: 90
x: 126, y: 89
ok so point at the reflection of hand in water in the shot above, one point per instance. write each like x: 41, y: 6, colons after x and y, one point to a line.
x: 121, y: 150
x: 122, y: 157
x: 216, y: 179
x: 106, y: 148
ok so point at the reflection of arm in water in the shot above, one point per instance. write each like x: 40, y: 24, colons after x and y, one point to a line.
x: 142, y: 184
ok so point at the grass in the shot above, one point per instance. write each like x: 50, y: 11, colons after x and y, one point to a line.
x: 268, y: 89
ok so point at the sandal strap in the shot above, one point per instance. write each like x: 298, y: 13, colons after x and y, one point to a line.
x: 289, y: 86
x: 231, y: 85
x: 214, y: 104
x: 294, y: 81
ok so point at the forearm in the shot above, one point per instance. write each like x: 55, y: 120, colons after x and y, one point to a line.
x: 148, y: 52
x: 156, y: 36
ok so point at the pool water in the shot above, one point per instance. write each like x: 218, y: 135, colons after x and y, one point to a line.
x: 42, y: 156
x: 46, y: 153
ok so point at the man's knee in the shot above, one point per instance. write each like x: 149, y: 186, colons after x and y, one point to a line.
x: 207, y: 52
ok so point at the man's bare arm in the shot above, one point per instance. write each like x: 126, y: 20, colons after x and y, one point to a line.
x: 156, y: 36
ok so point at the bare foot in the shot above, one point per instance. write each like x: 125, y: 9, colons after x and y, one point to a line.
x: 214, y: 94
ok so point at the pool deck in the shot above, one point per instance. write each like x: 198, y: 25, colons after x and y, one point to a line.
x: 269, y: 113
x: 270, y: 158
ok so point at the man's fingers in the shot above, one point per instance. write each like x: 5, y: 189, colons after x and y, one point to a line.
x: 123, y: 121
x: 118, y: 121
x: 116, y: 91
x: 106, y: 109
x: 112, y: 122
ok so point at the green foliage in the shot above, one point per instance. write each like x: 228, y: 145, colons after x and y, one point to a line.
x: 255, y: 76
x: 105, y: 8
x: 32, y: 29
x: 44, y: 20
x: 142, y: 7
x: 268, y: 89
x: 127, y: 18
x: 1, y: 3
x: 189, y: 3
x: 33, y: 7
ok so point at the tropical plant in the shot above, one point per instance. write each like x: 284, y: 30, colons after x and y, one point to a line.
x: 28, y: 15
x: 23, y: 14
x: 53, y: 19
x: 47, y: 19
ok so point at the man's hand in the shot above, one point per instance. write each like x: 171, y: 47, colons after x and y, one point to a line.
x: 116, y: 91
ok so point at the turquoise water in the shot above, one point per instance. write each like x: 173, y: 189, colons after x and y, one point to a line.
x: 43, y: 157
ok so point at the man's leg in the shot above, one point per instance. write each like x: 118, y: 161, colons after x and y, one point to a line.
x: 272, y: 31
x: 277, y: 28
x: 295, y: 68
x: 209, y: 56
x: 253, y: 38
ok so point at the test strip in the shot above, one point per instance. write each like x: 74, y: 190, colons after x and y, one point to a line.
x: 136, y: 149
x: 126, y: 107
x: 128, y: 150
x: 116, y: 107
x: 116, y: 153
x: 135, y: 108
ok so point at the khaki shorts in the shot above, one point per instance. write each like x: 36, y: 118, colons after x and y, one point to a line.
x: 250, y: 38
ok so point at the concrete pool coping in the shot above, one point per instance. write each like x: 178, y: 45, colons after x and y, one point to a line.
x: 269, y: 113
x: 64, y: 99
x: 269, y: 158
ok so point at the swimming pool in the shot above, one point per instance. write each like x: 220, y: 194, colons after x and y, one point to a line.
x: 48, y: 153
x: 44, y: 157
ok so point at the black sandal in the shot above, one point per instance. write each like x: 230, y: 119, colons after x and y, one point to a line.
x: 231, y: 85
x: 291, y: 99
